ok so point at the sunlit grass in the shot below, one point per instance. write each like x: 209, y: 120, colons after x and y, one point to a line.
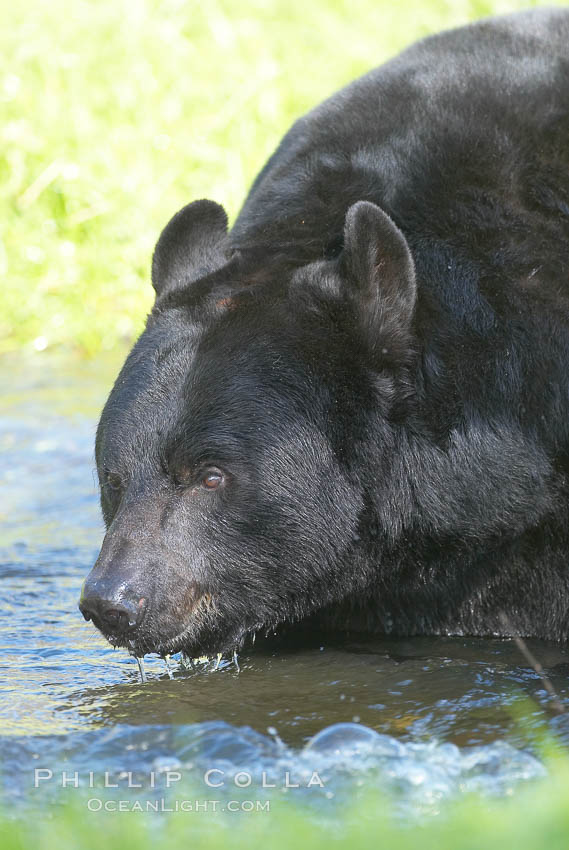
x: 117, y: 112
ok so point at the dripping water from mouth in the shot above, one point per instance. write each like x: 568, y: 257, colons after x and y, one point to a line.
x: 141, y: 669
x: 168, y: 667
x: 189, y: 664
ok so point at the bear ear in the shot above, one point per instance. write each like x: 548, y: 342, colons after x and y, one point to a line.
x: 191, y: 246
x: 380, y: 272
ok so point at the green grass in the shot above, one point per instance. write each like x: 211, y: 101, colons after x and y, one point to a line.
x: 536, y: 817
x: 117, y: 112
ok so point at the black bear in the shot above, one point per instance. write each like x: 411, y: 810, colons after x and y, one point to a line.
x: 351, y: 412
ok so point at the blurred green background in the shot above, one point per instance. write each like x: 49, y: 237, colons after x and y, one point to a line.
x: 115, y: 113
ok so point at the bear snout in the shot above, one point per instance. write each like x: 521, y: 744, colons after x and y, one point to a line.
x: 115, y: 610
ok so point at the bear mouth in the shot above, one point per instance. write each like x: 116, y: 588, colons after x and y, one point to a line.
x: 205, y: 632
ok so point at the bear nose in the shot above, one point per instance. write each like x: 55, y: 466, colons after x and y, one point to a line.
x: 112, y: 615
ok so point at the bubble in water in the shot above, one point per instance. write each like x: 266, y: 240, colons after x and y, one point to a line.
x: 344, y: 739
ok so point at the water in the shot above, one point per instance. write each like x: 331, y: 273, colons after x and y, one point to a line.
x: 424, y: 719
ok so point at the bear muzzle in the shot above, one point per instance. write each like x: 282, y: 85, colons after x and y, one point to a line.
x: 138, y: 598
x: 113, y: 610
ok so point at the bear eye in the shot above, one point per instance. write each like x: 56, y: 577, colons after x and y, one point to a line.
x: 212, y: 479
x: 113, y: 480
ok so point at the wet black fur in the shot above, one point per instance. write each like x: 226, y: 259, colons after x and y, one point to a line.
x: 391, y: 414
